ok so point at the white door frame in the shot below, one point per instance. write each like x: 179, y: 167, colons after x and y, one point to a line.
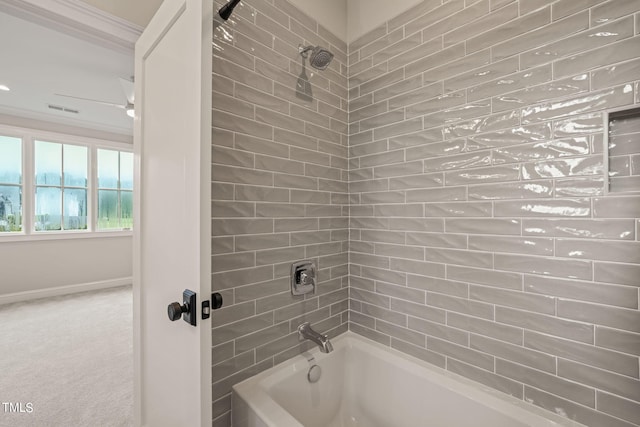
x: 172, y: 140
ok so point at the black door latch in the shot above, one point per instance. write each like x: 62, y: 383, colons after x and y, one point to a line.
x: 214, y: 304
x: 187, y: 310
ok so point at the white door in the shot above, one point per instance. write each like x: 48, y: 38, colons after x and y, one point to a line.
x: 172, y: 238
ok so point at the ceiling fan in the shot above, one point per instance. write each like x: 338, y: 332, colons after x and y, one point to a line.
x: 127, y: 87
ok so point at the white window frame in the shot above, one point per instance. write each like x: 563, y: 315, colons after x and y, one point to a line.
x: 96, y: 201
x: 17, y: 135
x: 62, y: 186
x: 29, y: 136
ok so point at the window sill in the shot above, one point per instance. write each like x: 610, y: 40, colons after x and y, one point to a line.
x: 66, y: 235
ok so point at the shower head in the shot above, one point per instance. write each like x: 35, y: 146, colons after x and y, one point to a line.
x: 226, y: 10
x: 319, y: 57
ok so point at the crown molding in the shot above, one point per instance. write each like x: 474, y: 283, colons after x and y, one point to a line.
x: 79, y: 19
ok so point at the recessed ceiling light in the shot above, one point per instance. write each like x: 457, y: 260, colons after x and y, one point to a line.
x: 5, y: 88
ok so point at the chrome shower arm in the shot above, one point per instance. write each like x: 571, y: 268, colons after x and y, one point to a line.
x: 304, y: 50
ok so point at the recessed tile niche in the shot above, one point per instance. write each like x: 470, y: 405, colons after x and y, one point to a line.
x: 623, y: 154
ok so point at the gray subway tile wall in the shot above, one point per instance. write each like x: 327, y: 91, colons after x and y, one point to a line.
x: 279, y: 190
x: 530, y: 275
x: 446, y: 176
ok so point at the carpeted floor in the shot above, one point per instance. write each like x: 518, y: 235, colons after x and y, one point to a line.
x: 69, y: 359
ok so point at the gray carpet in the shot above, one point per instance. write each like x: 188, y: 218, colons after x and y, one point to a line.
x: 70, y: 357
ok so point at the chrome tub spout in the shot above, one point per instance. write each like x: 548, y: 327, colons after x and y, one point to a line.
x: 305, y: 332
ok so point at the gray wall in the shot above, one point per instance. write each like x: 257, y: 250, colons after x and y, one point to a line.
x: 481, y: 239
x: 280, y: 190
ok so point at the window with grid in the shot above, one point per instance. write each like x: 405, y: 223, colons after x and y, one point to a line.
x: 10, y: 184
x: 55, y: 185
x: 115, y: 189
x: 61, y: 186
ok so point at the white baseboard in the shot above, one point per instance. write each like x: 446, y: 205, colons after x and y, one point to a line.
x: 63, y: 290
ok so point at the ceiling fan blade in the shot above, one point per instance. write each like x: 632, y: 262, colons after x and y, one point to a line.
x: 92, y: 100
x: 128, y: 88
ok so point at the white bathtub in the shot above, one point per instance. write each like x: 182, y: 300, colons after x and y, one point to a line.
x: 367, y: 384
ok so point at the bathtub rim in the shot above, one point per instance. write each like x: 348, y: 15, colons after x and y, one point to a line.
x: 254, y: 390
